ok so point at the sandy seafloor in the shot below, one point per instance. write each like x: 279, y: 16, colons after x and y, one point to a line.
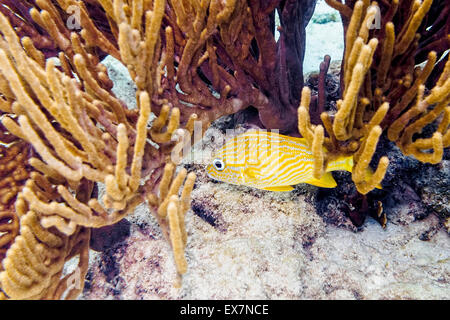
x: 246, y: 243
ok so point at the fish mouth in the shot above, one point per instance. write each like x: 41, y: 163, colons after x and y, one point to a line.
x: 208, y: 174
x: 211, y: 177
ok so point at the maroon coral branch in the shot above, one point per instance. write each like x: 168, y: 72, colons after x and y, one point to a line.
x: 294, y: 16
x: 434, y: 31
x: 282, y: 72
x: 285, y: 72
x: 324, y: 65
x: 265, y: 41
x: 21, y: 7
x: 26, y: 26
x: 238, y: 65
x: 18, y: 13
x: 286, y: 85
x: 436, y: 73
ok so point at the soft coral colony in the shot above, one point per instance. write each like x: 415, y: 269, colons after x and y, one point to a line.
x: 64, y: 133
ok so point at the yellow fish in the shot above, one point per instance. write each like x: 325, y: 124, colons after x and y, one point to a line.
x: 270, y: 161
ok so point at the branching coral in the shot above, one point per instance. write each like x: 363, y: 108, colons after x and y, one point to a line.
x: 171, y: 209
x: 190, y: 60
x: 34, y: 263
x: 19, y: 16
x: 382, y: 88
x: 47, y: 29
x: 33, y: 267
x: 224, y: 58
x: 14, y: 172
x: 214, y: 58
x: 83, y: 135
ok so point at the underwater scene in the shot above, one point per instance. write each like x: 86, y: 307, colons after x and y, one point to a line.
x: 224, y: 150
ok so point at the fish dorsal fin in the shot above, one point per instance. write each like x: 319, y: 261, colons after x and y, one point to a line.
x: 327, y: 181
x: 279, y: 189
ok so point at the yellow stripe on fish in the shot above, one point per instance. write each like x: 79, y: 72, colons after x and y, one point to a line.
x: 270, y: 161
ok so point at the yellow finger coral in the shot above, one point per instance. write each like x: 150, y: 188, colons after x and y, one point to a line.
x: 382, y: 89
x: 83, y: 136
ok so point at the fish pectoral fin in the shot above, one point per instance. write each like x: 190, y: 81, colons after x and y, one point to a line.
x: 250, y: 172
x: 279, y: 189
x: 327, y: 181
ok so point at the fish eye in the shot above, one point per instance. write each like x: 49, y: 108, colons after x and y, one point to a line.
x: 219, y: 164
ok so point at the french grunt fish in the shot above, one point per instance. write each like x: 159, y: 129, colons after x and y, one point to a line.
x: 270, y: 161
